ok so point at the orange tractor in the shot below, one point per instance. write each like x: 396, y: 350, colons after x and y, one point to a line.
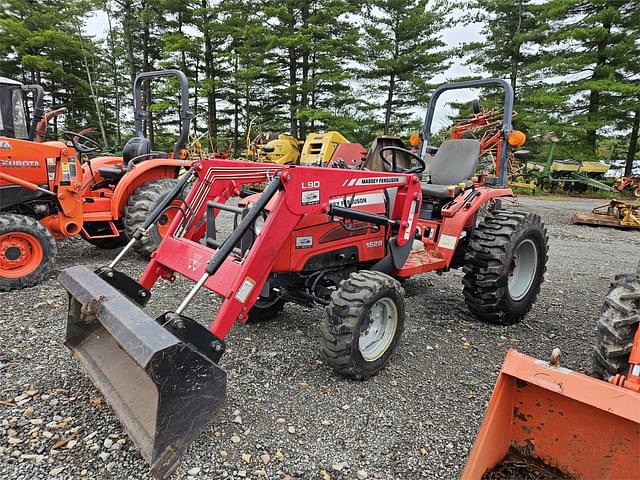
x: 545, y: 421
x: 52, y: 190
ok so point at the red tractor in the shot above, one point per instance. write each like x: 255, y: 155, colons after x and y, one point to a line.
x: 51, y: 190
x: 338, y: 238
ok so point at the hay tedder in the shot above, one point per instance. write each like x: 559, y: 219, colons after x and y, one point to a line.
x: 333, y: 237
x: 560, y: 424
x: 51, y: 190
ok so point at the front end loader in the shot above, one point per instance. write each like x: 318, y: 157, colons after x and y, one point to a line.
x: 546, y: 421
x: 337, y: 238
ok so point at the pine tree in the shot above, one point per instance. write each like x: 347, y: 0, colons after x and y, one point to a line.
x: 586, y: 56
x: 404, y: 51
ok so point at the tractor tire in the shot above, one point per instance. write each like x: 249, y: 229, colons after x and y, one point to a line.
x: 617, y: 326
x: 265, y: 309
x: 140, y: 205
x: 363, y: 324
x: 27, y: 251
x: 504, y: 266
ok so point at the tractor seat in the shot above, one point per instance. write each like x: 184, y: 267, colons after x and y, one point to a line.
x: 112, y: 174
x: 455, y: 162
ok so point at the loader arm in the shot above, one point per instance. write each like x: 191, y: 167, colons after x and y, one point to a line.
x: 302, y: 191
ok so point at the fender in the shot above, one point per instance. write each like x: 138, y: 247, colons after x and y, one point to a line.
x: 461, y: 212
x: 140, y: 174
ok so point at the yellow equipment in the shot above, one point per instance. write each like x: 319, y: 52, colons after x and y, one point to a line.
x: 319, y: 148
x: 614, y: 214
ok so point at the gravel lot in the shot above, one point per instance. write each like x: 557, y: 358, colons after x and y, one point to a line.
x: 288, y: 415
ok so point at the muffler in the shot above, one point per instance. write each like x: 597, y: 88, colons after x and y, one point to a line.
x: 160, y: 376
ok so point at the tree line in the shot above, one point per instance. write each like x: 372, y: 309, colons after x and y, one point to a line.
x: 361, y: 67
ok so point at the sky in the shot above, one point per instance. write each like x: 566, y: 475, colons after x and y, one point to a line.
x: 97, y: 26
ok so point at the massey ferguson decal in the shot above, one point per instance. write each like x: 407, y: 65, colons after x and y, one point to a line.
x: 351, y: 201
x: 19, y: 163
x: 375, y: 181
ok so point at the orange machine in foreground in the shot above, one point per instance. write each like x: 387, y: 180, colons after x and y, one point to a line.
x: 562, y: 424
x: 51, y: 190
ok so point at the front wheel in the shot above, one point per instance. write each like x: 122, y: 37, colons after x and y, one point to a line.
x: 265, y: 309
x: 505, y: 263
x: 27, y: 251
x: 363, y: 324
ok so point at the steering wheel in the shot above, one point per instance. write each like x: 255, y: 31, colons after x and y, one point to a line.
x: 419, y: 168
x: 81, y: 143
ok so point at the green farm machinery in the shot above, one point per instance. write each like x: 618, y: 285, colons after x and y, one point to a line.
x: 567, y: 175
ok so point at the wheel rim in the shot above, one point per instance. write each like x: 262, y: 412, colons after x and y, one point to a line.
x: 20, y: 254
x: 522, y: 271
x: 162, y: 225
x: 378, y: 333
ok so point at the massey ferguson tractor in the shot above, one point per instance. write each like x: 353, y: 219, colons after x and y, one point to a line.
x: 51, y: 190
x: 340, y: 239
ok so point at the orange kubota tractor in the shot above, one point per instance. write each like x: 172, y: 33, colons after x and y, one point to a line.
x: 547, y: 422
x: 331, y: 237
x: 51, y: 190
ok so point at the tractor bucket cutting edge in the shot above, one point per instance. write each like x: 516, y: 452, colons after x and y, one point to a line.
x: 159, y: 376
x: 578, y: 426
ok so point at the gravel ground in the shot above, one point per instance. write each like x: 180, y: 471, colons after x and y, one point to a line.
x: 288, y: 415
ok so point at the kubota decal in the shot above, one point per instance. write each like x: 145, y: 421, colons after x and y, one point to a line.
x: 5, y: 146
x: 20, y: 163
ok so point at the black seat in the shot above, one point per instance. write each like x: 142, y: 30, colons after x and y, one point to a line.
x: 455, y: 162
x: 112, y: 174
x: 135, y: 147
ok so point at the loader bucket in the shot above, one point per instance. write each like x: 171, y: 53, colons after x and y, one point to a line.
x: 558, y: 423
x: 163, y: 386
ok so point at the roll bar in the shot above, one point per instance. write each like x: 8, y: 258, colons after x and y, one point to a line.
x: 38, y: 110
x: 506, y: 123
x: 185, y: 112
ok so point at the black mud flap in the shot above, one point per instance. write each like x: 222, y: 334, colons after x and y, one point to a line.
x: 164, y: 387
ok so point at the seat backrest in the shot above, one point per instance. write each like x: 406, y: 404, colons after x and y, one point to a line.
x: 135, y: 147
x: 455, y: 161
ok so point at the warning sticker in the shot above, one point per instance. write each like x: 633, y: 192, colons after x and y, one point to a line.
x: 304, y: 242
x: 311, y: 197
x: 447, y: 241
x: 245, y: 289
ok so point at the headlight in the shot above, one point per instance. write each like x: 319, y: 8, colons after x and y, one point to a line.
x: 258, y: 225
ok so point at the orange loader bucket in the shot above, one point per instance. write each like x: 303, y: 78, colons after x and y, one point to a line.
x: 557, y: 423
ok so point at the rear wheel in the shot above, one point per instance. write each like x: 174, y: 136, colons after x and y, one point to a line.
x: 27, y: 251
x: 143, y: 201
x: 363, y: 324
x: 504, y: 266
x: 617, y: 326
